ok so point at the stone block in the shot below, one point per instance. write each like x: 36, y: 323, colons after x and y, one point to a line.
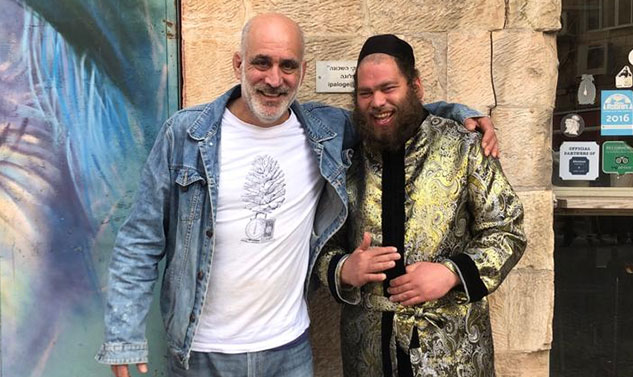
x: 539, y: 229
x: 207, y: 69
x: 324, y: 334
x: 320, y: 48
x: 524, y: 136
x: 317, y: 17
x: 430, y: 60
x: 468, y: 69
x: 522, y: 310
x: 532, y: 364
x: 202, y: 19
x: 410, y: 17
x: 524, y: 68
x: 542, y: 15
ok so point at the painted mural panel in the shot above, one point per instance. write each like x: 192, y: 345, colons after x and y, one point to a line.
x: 84, y: 87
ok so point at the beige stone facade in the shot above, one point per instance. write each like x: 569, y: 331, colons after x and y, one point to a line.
x: 498, y: 56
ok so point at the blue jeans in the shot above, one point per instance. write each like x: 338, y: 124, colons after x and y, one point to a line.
x: 294, y: 361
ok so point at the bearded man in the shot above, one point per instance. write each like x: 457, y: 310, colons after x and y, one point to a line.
x: 438, y: 228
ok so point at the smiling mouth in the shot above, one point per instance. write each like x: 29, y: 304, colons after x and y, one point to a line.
x: 382, y: 118
x: 271, y: 94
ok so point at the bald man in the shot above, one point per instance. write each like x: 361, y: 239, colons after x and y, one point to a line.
x: 238, y: 195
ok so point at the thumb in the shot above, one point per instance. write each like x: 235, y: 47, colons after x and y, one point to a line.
x: 470, y: 124
x: 364, y: 245
x: 142, y: 368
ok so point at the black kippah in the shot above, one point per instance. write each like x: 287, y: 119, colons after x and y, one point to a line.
x: 388, y: 44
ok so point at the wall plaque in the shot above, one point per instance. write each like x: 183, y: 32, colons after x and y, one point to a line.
x: 335, y: 76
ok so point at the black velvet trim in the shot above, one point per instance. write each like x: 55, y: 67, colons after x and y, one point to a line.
x: 405, y: 369
x: 393, y: 215
x: 386, y: 329
x: 474, y: 286
x: 331, y: 276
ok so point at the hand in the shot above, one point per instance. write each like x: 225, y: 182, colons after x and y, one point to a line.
x: 365, y: 264
x: 489, y: 140
x: 122, y: 370
x: 423, y: 281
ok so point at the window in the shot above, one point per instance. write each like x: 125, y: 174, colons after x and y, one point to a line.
x: 592, y: 128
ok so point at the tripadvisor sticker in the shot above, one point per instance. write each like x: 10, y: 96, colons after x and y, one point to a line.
x: 617, y: 157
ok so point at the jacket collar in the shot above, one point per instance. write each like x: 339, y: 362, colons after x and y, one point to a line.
x: 210, y: 119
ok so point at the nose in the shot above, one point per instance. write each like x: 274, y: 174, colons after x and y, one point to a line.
x: 378, y: 99
x: 274, y: 77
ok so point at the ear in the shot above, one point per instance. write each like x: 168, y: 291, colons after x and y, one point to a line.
x: 237, y: 66
x: 419, y: 89
x: 304, y: 66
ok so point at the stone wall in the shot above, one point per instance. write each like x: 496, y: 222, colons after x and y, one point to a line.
x: 498, y: 56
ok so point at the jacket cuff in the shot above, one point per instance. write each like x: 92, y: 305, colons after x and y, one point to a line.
x: 122, y: 353
x: 472, y: 284
x: 470, y: 113
x: 342, y: 294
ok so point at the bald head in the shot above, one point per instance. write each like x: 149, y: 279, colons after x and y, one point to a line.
x: 270, y: 67
x: 273, y: 25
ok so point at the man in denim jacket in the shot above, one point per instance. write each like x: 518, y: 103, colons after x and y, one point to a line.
x: 240, y: 220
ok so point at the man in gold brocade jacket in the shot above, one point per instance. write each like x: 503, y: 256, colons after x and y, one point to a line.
x: 433, y: 228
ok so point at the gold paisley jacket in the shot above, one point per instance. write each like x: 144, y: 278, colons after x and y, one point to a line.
x: 460, y: 211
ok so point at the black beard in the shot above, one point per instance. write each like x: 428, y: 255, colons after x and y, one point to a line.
x: 408, y: 118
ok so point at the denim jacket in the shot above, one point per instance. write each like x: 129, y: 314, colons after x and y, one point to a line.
x: 173, y: 217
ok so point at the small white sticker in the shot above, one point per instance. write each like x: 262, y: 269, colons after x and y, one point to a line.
x: 579, y: 161
x: 624, y: 79
x: 572, y: 125
x: 586, y: 90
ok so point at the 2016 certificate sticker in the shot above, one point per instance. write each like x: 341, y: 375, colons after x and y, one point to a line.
x: 579, y: 160
x: 616, y: 113
x: 617, y: 157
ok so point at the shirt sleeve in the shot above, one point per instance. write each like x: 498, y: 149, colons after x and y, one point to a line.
x: 497, y: 226
x: 329, y: 266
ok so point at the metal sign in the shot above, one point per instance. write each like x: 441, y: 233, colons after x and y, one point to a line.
x: 335, y: 76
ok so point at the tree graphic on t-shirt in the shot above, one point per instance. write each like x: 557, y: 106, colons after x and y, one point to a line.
x: 265, y: 191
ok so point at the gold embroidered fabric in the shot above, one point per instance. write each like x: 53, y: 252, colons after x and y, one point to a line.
x: 457, y: 201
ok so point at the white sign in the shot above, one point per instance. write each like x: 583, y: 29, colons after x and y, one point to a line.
x: 335, y: 76
x: 624, y: 79
x: 579, y: 161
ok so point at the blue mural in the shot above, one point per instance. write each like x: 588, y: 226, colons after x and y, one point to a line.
x: 84, y: 87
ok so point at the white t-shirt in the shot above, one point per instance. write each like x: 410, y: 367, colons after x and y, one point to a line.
x: 268, y: 192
